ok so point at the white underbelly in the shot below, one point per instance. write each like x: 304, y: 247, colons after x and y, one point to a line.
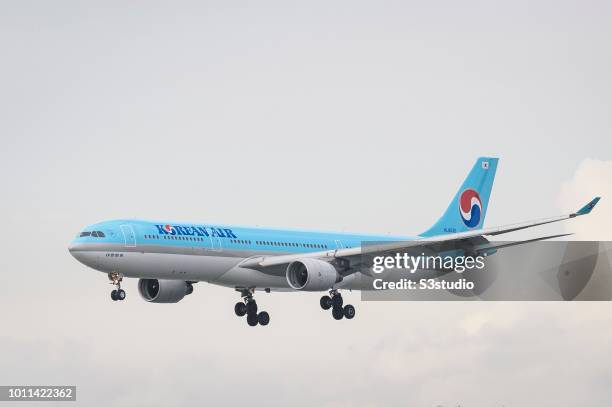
x: 174, y: 266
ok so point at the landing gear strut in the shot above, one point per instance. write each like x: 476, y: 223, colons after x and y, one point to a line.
x: 335, y: 302
x: 117, y: 294
x: 248, y: 307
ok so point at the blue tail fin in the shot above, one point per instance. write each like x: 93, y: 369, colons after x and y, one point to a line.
x: 468, y: 208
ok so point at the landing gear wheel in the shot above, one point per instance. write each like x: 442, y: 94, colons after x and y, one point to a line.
x: 263, y: 318
x: 248, y: 307
x: 252, y: 319
x: 337, y: 301
x: 251, y: 307
x: 349, y: 311
x: 326, y: 302
x: 117, y: 294
x: 240, y: 309
x: 337, y: 313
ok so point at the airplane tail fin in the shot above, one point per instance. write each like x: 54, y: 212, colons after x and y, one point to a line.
x: 468, y: 208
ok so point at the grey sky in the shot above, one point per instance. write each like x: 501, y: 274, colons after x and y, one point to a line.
x: 358, y: 116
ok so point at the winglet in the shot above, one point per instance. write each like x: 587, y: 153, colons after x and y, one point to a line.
x: 588, y: 207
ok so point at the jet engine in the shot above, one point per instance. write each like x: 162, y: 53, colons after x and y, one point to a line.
x: 312, y: 275
x: 163, y: 291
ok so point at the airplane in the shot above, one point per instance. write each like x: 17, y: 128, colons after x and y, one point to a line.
x: 168, y: 258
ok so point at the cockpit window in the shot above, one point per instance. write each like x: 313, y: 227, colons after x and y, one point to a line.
x: 95, y: 233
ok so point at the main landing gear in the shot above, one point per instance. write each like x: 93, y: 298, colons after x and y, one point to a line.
x: 248, y: 307
x: 334, y: 301
x: 118, y: 294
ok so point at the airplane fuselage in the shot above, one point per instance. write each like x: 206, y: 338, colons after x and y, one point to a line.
x: 202, y: 252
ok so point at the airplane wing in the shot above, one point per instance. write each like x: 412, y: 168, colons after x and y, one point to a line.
x: 263, y: 263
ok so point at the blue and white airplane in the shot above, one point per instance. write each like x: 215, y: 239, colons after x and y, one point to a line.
x: 169, y: 257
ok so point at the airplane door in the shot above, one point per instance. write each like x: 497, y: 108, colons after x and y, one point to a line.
x: 339, y: 244
x: 209, y: 244
x: 129, y: 237
x: 215, y: 243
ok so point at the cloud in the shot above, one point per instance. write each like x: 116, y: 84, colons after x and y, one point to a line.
x: 592, y: 178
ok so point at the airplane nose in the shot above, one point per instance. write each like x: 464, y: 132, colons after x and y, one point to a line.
x: 73, y: 247
x: 82, y: 256
x: 75, y: 250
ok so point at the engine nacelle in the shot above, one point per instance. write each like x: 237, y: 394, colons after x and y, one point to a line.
x: 163, y: 291
x: 312, y: 275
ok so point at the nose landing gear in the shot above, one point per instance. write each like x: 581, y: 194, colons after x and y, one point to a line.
x: 118, y: 294
x: 248, y: 307
x: 335, y: 302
